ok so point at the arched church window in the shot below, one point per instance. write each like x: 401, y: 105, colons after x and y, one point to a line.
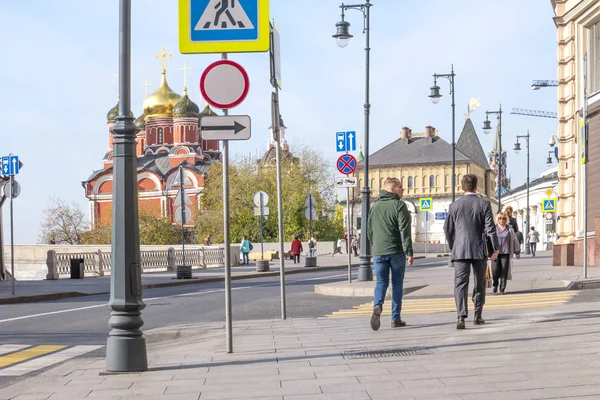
x: 160, y: 135
x: 410, y: 182
x: 431, y: 181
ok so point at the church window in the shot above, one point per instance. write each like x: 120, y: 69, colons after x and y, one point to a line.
x: 410, y: 182
x: 160, y: 135
x: 416, y: 181
x: 431, y: 181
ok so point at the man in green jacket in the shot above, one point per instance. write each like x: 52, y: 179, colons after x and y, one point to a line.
x: 389, y: 234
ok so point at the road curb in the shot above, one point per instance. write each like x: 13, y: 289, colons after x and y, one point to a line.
x: 249, y: 275
x: 584, y: 284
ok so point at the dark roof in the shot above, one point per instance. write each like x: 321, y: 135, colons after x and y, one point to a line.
x: 469, y: 145
x: 158, y: 164
x: 546, y: 178
x: 416, y: 151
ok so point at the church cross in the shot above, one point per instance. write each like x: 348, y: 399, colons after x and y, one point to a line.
x: 163, y: 56
x: 146, y: 84
x: 185, y: 69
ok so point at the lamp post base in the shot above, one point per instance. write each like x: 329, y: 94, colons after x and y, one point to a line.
x: 365, y: 272
x: 126, y: 345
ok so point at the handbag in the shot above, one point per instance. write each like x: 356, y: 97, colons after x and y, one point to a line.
x: 487, y: 245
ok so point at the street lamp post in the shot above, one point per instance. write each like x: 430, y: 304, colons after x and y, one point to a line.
x: 126, y: 346
x: 365, y: 272
x: 435, y: 98
x: 487, y: 127
x: 517, y: 150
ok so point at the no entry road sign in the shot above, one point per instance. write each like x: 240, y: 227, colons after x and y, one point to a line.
x: 346, y: 164
x: 224, y: 84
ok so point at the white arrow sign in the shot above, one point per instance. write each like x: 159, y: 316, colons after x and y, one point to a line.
x: 227, y: 127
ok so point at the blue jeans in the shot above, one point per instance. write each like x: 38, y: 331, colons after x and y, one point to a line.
x: 245, y: 258
x: 382, y: 265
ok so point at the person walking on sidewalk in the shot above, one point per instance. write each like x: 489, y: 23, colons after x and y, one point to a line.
x: 468, y: 223
x: 312, y: 246
x: 245, y: 248
x: 354, y: 245
x: 508, y: 244
x: 533, y: 237
x: 296, y: 249
x: 389, y: 234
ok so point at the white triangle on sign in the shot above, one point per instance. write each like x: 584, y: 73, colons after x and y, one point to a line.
x: 549, y: 205
x: 224, y: 14
x: 177, y: 201
x: 425, y: 204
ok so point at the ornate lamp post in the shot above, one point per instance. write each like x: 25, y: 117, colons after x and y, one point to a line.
x: 365, y: 272
x: 126, y: 346
x: 517, y: 150
x: 435, y: 98
x: 487, y: 127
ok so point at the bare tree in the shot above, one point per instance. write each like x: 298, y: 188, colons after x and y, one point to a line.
x: 63, y: 224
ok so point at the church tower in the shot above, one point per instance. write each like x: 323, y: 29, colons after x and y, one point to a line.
x: 502, y: 182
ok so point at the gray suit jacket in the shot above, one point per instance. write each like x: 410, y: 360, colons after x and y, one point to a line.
x: 468, y: 218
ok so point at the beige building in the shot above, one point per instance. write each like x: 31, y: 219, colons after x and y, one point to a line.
x: 423, y: 162
x: 578, y: 33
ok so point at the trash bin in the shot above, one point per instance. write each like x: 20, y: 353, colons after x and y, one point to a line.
x: 184, y: 271
x: 77, y: 267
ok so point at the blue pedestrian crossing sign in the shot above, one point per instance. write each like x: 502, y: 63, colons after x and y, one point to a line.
x: 223, y: 26
x: 345, y: 141
x: 549, y: 205
x: 426, y: 204
x: 10, y: 165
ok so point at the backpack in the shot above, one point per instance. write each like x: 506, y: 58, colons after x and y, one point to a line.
x: 311, y: 244
x: 250, y: 246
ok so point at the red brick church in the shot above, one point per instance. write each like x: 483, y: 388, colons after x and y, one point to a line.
x: 168, y: 135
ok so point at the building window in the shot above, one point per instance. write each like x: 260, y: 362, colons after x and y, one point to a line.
x: 416, y: 181
x: 431, y: 181
x: 160, y: 136
x: 410, y: 182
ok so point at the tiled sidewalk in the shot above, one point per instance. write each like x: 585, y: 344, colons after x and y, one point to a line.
x: 525, y: 354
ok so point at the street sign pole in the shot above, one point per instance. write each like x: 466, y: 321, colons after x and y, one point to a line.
x: 426, y: 230
x: 226, y: 240
x: 349, y: 243
x: 12, y: 238
x: 310, y: 215
x: 276, y: 131
x: 262, y: 250
x: 2, y: 264
x: 181, y: 180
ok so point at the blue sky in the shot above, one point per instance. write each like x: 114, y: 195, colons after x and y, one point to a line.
x: 59, y: 59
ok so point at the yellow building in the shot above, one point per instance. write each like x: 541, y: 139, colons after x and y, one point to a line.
x: 423, y: 162
x: 578, y: 33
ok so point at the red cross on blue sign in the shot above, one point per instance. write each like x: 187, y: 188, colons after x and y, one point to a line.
x: 346, y: 164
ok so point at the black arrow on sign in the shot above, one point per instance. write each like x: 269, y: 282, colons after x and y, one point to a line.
x: 236, y: 128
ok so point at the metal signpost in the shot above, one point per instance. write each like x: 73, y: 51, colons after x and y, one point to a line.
x: 12, y: 189
x: 261, y: 199
x: 223, y: 26
x: 426, y: 205
x: 311, y: 212
x: 182, y: 213
x: 584, y: 161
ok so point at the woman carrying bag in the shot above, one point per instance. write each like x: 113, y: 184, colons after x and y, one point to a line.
x: 507, y: 246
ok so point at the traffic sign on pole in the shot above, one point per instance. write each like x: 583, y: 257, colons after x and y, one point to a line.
x: 230, y: 127
x: 426, y: 204
x: 265, y: 199
x: 223, y: 26
x: 345, y: 141
x: 224, y: 84
x: 346, y: 182
x: 8, y: 190
x: 549, y: 205
x: 275, y: 54
x: 346, y: 164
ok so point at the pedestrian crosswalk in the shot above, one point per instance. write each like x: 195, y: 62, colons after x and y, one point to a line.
x: 441, y: 305
x: 18, y: 359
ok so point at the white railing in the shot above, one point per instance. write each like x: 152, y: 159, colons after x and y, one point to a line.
x: 97, y: 263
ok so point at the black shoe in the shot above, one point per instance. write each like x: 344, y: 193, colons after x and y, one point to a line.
x: 495, y: 289
x: 398, y: 324
x: 479, y: 320
x: 502, y: 292
x: 461, y: 323
x: 375, y: 320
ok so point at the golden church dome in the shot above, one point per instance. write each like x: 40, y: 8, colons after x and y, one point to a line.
x: 161, y: 102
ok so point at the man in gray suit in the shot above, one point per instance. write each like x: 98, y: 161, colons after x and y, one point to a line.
x: 469, y: 218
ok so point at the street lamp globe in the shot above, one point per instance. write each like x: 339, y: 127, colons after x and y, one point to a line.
x: 517, y: 147
x: 435, y: 94
x: 343, y: 35
x: 487, y: 126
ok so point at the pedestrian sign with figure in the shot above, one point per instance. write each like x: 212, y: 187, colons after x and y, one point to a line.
x: 549, y: 205
x: 223, y: 26
x: 426, y: 204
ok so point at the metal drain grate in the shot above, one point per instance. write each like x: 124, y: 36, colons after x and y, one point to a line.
x: 411, y: 351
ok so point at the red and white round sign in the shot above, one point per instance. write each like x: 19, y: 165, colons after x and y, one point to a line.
x: 224, y: 84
